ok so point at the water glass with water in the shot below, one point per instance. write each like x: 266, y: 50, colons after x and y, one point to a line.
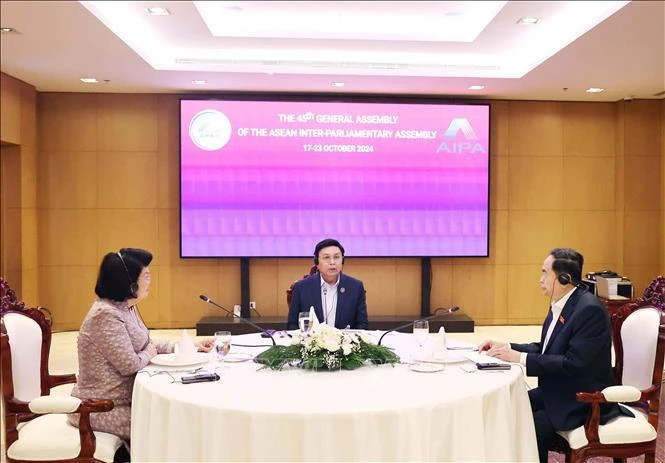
x: 222, y: 344
x: 304, y: 322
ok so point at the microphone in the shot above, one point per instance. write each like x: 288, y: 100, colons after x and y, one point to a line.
x: 325, y: 305
x: 436, y: 314
x: 242, y: 319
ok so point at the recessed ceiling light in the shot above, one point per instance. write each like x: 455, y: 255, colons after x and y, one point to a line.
x: 528, y: 20
x: 476, y: 87
x: 158, y: 11
x: 594, y: 90
x: 199, y: 82
x: 89, y: 80
x: 7, y: 30
x: 337, y: 84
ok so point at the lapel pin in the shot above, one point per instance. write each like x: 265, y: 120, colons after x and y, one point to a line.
x: 341, y: 290
x: 561, y: 319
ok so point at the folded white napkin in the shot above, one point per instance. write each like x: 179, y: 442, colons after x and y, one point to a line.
x: 314, y: 320
x: 185, y: 349
x: 439, y: 349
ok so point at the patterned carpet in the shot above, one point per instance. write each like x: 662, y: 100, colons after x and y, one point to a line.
x: 660, y: 444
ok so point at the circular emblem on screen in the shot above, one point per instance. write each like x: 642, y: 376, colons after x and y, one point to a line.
x: 210, y: 130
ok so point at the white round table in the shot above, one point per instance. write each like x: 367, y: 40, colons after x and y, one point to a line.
x: 374, y: 413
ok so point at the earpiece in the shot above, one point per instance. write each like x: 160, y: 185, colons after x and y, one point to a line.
x: 563, y: 278
x: 565, y: 268
x: 133, y: 287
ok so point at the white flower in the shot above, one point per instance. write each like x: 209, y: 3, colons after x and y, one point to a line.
x: 347, y: 348
x: 330, y: 341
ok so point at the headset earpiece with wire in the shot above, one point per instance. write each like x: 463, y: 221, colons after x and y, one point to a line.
x: 133, y: 286
x: 563, y: 278
x: 564, y: 269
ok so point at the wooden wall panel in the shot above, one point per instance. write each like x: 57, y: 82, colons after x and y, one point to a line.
x: 68, y: 179
x: 526, y: 302
x: 535, y: 128
x: 643, y: 177
x: 127, y: 122
x: 588, y: 183
x: 535, y: 183
x: 18, y: 187
x: 642, y: 128
x: 641, y: 188
x: 592, y: 232
x: 480, y: 290
x: 68, y: 237
x: 555, y: 170
x: 10, y: 109
x: 532, y: 234
x: 127, y: 180
x: 588, y: 129
x: 661, y: 269
x: 67, y: 122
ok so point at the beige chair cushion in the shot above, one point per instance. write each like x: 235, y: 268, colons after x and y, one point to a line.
x: 51, y: 437
x: 620, y: 430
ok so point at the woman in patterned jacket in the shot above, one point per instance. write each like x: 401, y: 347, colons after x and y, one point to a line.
x: 114, y: 343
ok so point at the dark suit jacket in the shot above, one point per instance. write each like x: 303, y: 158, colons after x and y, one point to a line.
x: 576, y: 359
x: 351, y: 306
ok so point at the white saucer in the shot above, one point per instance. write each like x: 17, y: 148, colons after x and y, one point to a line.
x: 450, y: 357
x: 169, y: 360
x: 237, y: 357
x: 427, y: 367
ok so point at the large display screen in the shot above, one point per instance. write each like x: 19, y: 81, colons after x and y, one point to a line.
x: 272, y: 178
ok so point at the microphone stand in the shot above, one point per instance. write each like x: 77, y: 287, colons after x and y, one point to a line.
x: 448, y: 311
x: 242, y: 319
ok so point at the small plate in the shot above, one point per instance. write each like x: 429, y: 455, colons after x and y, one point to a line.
x: 427, y: 367
x: 450, y: 357
x: 169, y: 360
x: 237, y: 357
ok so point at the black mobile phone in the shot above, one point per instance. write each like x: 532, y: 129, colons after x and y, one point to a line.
x: 200, y: 378
x: 492, y: 366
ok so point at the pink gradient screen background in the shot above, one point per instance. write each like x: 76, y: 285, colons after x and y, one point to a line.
x: 278, y: 194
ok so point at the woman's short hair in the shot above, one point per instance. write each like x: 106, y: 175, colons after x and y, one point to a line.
x: 119, y: 273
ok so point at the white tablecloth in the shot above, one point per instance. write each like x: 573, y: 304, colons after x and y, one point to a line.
x: 374, y: 413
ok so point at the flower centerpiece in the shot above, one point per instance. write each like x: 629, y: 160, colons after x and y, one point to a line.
x: 328, y: 348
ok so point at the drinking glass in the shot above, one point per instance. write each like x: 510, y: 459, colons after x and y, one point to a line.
x: 304, y: 322
x: 421, y: 331
x: 222, y: 344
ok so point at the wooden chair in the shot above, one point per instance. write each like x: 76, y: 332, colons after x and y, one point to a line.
x: 36, y: 427
x: 639, y: 345
x: 289, y: 292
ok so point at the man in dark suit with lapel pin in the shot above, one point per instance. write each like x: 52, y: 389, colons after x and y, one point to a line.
x: 573, y: 355
x: 338, y: 299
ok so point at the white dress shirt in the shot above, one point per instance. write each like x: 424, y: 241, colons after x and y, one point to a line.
x: 556, y: 309
x: 329, y: 301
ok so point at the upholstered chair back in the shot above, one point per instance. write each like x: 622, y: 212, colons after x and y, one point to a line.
x: 25, y: 340
x: 639, y: 335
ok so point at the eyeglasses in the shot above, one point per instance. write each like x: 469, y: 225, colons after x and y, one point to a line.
x: 331, y: 259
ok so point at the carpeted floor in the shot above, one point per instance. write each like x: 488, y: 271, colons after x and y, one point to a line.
x: 660, y: 444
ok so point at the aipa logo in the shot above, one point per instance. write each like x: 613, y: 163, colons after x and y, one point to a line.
x: 449, y: 143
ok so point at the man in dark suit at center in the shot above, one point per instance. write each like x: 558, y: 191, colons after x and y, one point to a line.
x: 573, y: 355
x: 338, y: 299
